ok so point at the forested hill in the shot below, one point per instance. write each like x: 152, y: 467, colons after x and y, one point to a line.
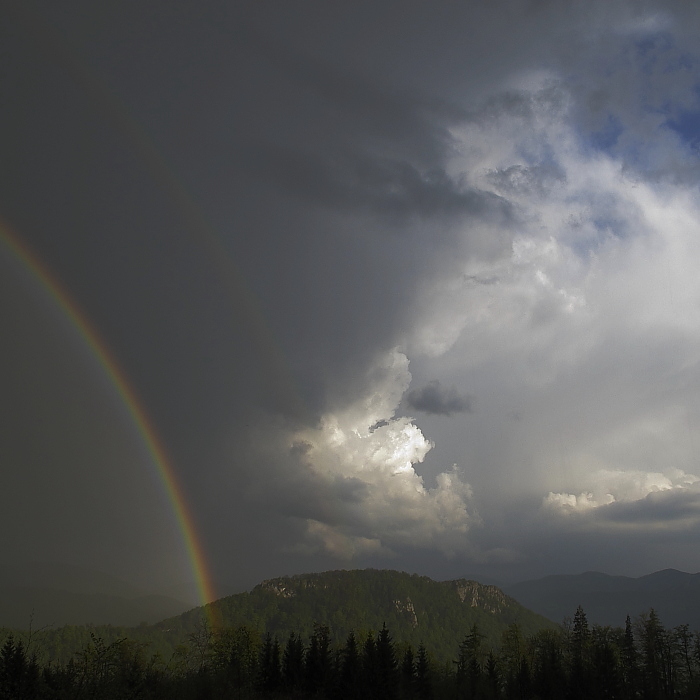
x: 415, y: 608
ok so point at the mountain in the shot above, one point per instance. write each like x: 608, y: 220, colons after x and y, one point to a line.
x: 48, y: 594
x: 607, y: 600
x: 414, y: 608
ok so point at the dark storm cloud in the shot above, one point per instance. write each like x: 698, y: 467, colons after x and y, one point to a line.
x: 367, y: 174
x: 380, y: 185
x: 673, y: 507
x: 435, y: 399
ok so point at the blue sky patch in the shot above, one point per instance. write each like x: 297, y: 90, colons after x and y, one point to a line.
x: 687, y: 126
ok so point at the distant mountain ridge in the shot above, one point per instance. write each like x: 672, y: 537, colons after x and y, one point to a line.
x: 607, y: 600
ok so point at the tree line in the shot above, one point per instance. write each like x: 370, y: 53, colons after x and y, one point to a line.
x: 577, y: 661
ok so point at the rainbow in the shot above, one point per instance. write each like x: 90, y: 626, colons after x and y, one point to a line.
x: 129, y: 397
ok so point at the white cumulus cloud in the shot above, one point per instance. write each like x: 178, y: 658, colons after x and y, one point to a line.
x: 358, y: 466
x: 609, y: 486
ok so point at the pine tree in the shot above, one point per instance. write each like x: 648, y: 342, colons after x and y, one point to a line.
x: 605, y: 666
x: 318, y: 660
x: 293, y: 663
x: 493, y: 677
x: 580, y: 662
x: 369, y: 667
x: 549, y: 676
x: 351, y: 669
x: 424, y: 680
x: 408, y: 674
x: 684, y: 644
x: 13, y: 667
x: 387, y: 665
x: 270, y: 673
x: 514, y: 666
x: 469, y: 663
x: 651, y: 633
x: 630, y: 665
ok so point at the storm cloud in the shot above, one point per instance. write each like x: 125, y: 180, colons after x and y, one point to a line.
x: 434, y: 398
x: 285, y: 222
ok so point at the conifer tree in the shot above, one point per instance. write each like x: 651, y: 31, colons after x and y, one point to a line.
x: 270, y: 673
x: 293, y: 663
x: 13, y: 666
x: 469, y: 663
x: 605, y: 667
x: 516, y: 675
x: 580, y: 662
x: 387, y: 665
x: 351, y: 669
x: 318, y: 660
x: 684, y: 642
x: 424, y: 681
x: 549, y: 675
x: 493, y: 677
x: 651, y: 633
x: 630, y: 665
x: 408, y: 674
x: 369, y: 666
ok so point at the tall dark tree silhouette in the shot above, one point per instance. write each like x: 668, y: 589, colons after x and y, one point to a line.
x: 351, y: 680
x: 293, y: 664
x: 317, y: 664
x: 629, y: 662
x: 387, y: 666
x: 424, y: 679
x: 408, y: 674
x: 469, y: 664
x: 269, y: 669
x: 651, y: 637
x: 580, y: 657
x: 549, y: 675
x: 370, y: 671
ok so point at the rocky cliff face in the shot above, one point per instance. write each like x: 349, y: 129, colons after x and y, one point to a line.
x: 487, y: 598
x: 407, y: 609
x: 477, y: 595
x: 278, y: 586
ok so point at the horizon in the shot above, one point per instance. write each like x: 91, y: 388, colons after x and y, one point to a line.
x: 11, y: 581
x: 300, y: 288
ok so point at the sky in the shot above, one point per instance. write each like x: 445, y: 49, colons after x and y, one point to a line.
x: 397, y: 284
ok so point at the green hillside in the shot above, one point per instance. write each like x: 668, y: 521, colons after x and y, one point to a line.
x: 415, y: 608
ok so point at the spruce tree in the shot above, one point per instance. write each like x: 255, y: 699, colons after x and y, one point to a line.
x: 408, y: 674
x: 293, y: 664
x: 424, y: 681
x: 387, y: 665
x: 492, y: 678
x: 630, y: 665
x: 351, y: 676
x: 469, y: 663
x: 269, y: 671
x: 651, y: 632
x: 580, y: 662
x: 369, y: 667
